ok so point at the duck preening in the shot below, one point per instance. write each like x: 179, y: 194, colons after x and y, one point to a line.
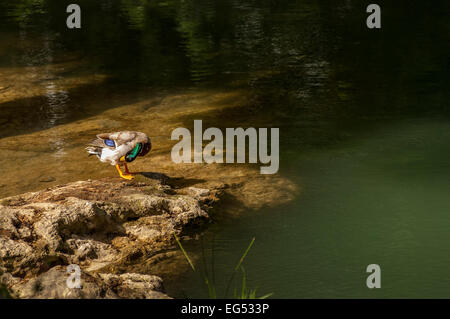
x: 120, y: 148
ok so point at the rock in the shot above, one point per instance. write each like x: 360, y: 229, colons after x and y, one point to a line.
x: 198, y: 192
x: 98, y: 225
x: 13, y: 249
x: 136, y: 286
x: 53, y: 284
x: 47, y: 179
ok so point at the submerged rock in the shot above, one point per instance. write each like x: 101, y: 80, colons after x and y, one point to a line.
x: 102, y: 226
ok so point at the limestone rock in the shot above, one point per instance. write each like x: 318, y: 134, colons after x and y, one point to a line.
x: 98, y: 225
x: 53, y: 285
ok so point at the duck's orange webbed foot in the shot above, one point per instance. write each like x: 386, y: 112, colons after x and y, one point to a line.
x: 128, y: 176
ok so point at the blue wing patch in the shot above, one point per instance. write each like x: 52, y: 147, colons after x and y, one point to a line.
x: 110, y: 143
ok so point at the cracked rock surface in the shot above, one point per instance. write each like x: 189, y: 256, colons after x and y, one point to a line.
x: 102, y: 226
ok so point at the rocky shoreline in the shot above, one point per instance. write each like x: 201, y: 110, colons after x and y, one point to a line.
x: 105, y: 227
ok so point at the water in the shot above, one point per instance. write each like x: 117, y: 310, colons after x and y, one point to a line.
x: 363, y: 117
x: 378, y: 200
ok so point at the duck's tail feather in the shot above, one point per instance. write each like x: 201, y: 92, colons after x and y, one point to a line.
x: 94, y: 150
x: 95, y: 147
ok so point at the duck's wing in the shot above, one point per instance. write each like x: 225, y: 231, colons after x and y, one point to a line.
x: 120, y: 138
x: 98, y: 142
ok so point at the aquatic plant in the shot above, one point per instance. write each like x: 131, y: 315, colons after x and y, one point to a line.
x: 243, y: 293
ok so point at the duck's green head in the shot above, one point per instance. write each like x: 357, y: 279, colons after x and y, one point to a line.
x: 140, y: 149
x: 146, y: 147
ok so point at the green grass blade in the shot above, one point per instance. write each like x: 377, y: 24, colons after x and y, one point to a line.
x: 184, y: 252
x: 244, y: 286
x: 244, y: 255
x: 238, y: 265
x: 266, y: 296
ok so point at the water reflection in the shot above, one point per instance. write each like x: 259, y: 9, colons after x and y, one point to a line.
x: 56, y: 108
x: 54, y: 112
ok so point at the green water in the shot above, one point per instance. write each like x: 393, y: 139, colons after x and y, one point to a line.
x: 363, y: 117
x: 381, y: 199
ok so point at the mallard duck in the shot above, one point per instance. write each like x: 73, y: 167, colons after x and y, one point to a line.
x: 120, y: 148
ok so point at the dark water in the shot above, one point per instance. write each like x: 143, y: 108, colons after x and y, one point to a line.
x: 363, y: 117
